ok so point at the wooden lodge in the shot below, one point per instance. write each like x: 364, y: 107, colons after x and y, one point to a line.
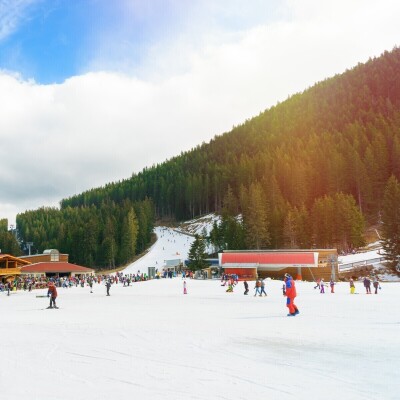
x: 10, y: 266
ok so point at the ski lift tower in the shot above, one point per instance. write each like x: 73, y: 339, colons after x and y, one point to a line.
x: 29, y: 245
x: 333, y: 259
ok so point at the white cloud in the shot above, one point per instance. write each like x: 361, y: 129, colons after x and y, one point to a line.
x: 12, y: 12
x: 58, y: 140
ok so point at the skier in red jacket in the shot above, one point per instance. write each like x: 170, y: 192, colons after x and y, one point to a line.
x: 290, y: 292
x: 52, y: 292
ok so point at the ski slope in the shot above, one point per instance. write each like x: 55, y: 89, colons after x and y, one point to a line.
x: 150, y: 341
x: 169, y: 245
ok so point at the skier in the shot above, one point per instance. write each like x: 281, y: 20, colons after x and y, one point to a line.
x: 263, y: 288
x: 108, y: 285
x: 332, y: 285
x: 184, y: 287
x: 367, y: 284
x: 290, y: 291
x: 321, y: 286
x: 258, y: 288
x: 376, y: 285
x: 90, y: 282
x: 246, y: 287
x: 318, y: 284
x: 230, y: 288
x: 52, y: 293
x: 352, y: 286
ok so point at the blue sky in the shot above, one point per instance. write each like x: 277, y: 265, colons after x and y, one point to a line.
x: 92, y: 91
x: 51, y: 40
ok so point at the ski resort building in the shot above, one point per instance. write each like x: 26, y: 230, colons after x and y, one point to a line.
x: 52, y: 263
x: 301, y: 264
x: 55, y: 268
x: 10, y: 266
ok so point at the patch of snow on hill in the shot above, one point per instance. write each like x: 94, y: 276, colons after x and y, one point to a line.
x: 199, y: 225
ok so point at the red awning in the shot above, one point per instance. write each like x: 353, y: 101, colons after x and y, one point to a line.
x: 55, y: 267
x: 273, y: 259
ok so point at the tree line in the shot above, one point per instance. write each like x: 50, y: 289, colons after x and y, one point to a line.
x: 103, y: 236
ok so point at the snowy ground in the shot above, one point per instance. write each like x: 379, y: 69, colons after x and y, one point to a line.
x: 149, y: 341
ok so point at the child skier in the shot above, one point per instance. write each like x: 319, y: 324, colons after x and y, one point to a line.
x: 376, y: 285
x: 332, y: 285
x: 352, y: 286
x: 184, y: 287
x: 322, y: 286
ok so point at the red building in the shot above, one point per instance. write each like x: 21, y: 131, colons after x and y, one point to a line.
x: 55, y: 268
x: 301, y: 264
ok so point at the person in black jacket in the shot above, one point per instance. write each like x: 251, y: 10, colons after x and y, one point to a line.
x: 367, y: 284
x: 108, y: 285
x: 246, y: 287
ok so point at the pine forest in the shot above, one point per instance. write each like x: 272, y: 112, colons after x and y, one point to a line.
x: 308, y: 172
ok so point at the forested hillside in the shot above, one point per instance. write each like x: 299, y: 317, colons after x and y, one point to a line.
x: 307, y: 172
x: 106, y: 235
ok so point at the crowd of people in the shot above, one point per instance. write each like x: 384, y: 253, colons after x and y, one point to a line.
x: 367, y: 281
x: 229, y: 281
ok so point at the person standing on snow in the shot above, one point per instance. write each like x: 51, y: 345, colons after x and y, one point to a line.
x: 262, y: 288
x: 290, y: 292
x: 332, y: 285
x: 52, y: 293
x: 90, y: 283
x: 321, y: 286
x: 258, y: 288
x: 246, y: 287
x: 367, y: 284
x: 108, y: 286
x: 184, y: 287
x: 352, y: 286
x: 376, y: 285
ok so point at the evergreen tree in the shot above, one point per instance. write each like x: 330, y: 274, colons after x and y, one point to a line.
x: 255, y: 217
x: 8, y: 242
x: 290, y: 229
x: 129, y: 232
x: 197, y: 254
x: 391, y: 221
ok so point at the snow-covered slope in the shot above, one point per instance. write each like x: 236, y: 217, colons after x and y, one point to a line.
x: 170, y: 245
x: 149, y: 341
x: 199, y: 225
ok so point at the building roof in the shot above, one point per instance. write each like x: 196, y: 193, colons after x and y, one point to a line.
x: 55, y: 267
x: 271, y: 261
x: 13, y: 258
